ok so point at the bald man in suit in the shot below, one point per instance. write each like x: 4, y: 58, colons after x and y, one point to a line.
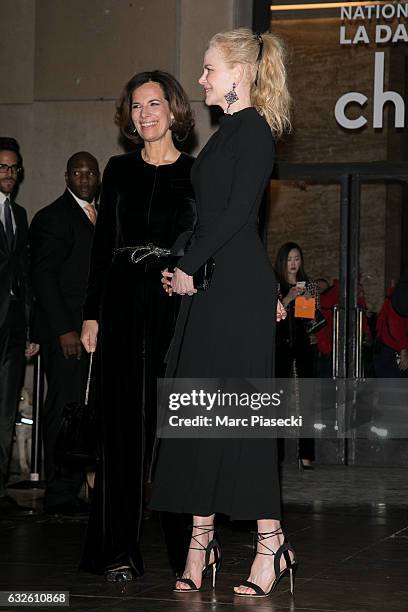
x: 61, y: 237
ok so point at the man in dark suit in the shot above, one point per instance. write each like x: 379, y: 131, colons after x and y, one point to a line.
x: 14, y: 302
x: 60, y: 244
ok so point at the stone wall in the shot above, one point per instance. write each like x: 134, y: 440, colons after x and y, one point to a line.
x: 64, y: 63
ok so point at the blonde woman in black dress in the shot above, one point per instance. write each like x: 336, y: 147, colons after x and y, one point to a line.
x: 229, y: 330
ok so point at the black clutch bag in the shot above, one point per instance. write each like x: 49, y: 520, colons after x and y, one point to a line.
x: 201, y: 278
x: 314, y: 325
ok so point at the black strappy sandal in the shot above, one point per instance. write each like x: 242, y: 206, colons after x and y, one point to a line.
x: 291, y: 565
x: 212, y: 546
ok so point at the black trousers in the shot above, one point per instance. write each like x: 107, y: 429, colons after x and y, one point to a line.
x: 305, y: 362
x: 65, y: 385
x: 12, y: 360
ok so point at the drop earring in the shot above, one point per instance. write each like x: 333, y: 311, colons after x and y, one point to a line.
x: 231, y: 97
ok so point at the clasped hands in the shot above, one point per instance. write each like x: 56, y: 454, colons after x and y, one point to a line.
x: 177, y: 282
x: 181, y: 283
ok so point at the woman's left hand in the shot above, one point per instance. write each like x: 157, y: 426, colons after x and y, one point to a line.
x: 32, y: 349
x: 182, y: 283
x: 280, y: 311
x: 166, y: 281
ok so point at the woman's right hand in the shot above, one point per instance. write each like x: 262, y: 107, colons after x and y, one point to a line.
x: 89, y: 335
x: 292, y: 295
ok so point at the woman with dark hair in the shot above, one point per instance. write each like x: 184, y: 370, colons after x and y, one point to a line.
x: 295, y: 356
x: 146, y: 209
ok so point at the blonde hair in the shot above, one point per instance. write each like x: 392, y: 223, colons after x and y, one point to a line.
x: 266, y: 73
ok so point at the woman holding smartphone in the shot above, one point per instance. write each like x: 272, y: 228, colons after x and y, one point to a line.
x: 295, y: 352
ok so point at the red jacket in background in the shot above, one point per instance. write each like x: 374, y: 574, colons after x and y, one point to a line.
x: 392, y: 329
x: 329, y: 299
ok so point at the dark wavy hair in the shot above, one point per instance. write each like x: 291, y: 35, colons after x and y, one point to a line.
x: 7, y: 143
x: 281, y: 264
x: 173, y: 93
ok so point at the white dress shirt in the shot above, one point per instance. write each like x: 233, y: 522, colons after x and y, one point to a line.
x: 3, y: 197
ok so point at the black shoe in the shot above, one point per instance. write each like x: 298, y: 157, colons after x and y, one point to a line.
x: 83, y: 505
x: 305, y: 466
x: 9, y: 507
x: 75, y: 509
x: 122, y: 573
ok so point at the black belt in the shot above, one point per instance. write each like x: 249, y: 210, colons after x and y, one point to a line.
x: 140, y: 252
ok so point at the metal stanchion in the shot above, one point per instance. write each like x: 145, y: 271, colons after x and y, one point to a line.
x: 335, y: 343
x: 359, y: 363
x: 34, y: 481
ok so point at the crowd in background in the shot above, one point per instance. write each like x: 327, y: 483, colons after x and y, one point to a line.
x: 59, y: 242
x: 44, y: 273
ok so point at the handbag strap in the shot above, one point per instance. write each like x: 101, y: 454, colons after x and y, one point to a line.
x: 317, y: 294
x: 314, y: 292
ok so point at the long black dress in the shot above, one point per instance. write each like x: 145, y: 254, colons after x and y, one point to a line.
x: 140, y: 204
x: 228, y: 330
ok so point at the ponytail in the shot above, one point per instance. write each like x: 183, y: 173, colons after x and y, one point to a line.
x: 269, y: 91
x: 264, y: 56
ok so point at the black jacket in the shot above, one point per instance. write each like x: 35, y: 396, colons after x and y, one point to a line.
x: 60, y: 240
x: 14, y: 263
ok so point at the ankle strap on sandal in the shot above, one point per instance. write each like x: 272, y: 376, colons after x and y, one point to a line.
x: 283, y: 549
x: 205, y: 529
x: 260, y: 536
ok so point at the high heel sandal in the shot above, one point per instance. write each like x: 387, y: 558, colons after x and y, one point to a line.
x: 212, y: 547
x: 291, y: 564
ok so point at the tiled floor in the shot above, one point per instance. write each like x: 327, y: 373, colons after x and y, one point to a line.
x: 349, y: 527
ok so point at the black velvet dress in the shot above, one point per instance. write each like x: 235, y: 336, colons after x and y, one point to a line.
x: 140, y: 204
x: 228, y: 330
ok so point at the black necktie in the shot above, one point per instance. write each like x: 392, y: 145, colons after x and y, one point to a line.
x: 8, y: 223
